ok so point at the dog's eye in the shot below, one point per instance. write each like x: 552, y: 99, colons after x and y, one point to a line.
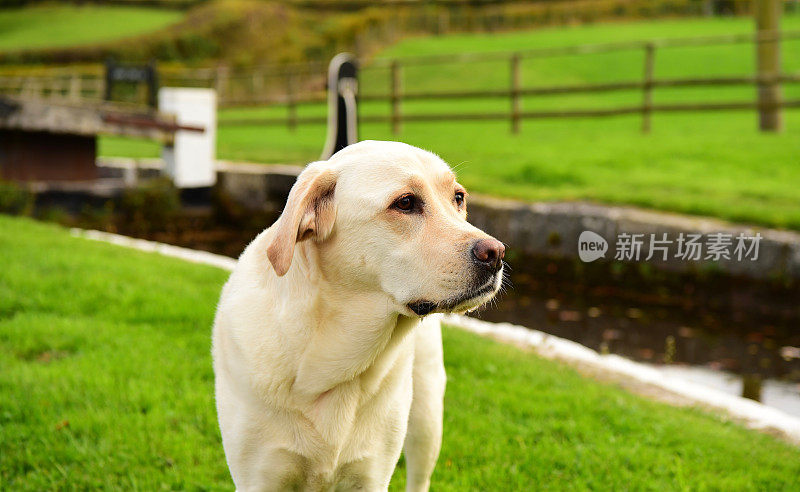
x: 406, y: 203
x: 459, y: 199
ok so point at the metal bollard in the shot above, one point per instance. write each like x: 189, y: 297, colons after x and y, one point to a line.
x: 342, y: 104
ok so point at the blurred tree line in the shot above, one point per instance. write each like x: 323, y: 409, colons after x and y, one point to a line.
x: 247, y: 32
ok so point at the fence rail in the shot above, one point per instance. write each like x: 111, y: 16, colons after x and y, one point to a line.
x: 584, y: 88
x: 500, y: 116
x: 514, y: 93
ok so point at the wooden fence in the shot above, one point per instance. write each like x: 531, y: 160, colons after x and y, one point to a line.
x: 71, y: 87
x: 267, y: 84
x: 289, y: 87
x: 514, y: 91
x: 396, y: 117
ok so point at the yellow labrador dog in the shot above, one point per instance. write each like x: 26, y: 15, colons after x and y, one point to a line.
x: 327, y: 351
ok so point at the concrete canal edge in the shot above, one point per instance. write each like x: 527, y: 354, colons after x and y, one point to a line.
x: 644, y: 377
x: 545, y: 228
x: 649, y: 379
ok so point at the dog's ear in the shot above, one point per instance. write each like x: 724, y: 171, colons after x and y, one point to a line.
x: 309, y: 214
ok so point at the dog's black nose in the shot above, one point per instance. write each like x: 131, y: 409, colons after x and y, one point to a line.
x: 489, y: 252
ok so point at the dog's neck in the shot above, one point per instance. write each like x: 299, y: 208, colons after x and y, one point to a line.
x: 353, y: 335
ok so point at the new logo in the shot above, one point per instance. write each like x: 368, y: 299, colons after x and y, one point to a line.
x: 591, y: 246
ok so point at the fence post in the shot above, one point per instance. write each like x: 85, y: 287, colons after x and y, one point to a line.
x: 291, y: 107
x: 97, y: 87
x: 258, y: 85
x: 49, y: 87
x: 768, y: 13
x: 75, y: 87
x: 220, y: 83
x: 64, y: 87
x: 514, y: 93
x: 396, y: 73
x: 647, y: 100
x: 34, y: 88
x: 443, y: 24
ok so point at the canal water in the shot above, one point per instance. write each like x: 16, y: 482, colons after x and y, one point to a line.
x: 737, y: 335
x: 734, y: 334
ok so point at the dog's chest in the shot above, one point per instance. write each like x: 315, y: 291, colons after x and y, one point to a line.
x: 349, y: 419
x: 358, y: 436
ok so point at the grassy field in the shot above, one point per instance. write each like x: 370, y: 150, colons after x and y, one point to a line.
x: 57, y: 26
x: 702, y: 163
x: 106, y: 383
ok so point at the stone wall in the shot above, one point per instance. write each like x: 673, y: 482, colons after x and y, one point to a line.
x: 553, y: 229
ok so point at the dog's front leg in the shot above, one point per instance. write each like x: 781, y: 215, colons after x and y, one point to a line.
x: 424, y: 436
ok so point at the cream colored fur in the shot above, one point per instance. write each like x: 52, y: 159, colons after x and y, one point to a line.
x: 323, y: 372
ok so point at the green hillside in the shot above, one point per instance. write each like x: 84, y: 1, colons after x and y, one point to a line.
x: 58, y: 26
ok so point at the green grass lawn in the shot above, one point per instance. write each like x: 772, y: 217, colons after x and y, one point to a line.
x: 58, y: 26
x: 106, y: 383
x: 702, y: 163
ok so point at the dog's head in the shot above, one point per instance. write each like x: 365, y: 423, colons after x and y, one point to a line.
x: 390, y: 217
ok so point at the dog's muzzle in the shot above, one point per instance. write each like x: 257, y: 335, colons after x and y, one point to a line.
x: 487, y: 258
